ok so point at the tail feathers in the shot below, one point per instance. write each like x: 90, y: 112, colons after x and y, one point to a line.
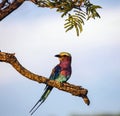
x: 35, y: 105
x: 32, y: 112
x: 48, y: 89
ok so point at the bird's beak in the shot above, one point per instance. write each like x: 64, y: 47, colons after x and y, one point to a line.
x: 57, y: 55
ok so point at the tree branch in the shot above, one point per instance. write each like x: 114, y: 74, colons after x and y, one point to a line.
x: 8, y: 7
x: 67, y: 87
x: 5, y: 10
x: 82, y: 9
x: 2, y: 4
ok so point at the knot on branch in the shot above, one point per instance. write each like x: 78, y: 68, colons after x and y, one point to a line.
x: 7, y: 57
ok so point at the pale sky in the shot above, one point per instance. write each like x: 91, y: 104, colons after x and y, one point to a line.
x: 36, y: 35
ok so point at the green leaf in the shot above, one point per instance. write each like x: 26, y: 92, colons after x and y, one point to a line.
x: 69, y: 28
x: 76, y: 12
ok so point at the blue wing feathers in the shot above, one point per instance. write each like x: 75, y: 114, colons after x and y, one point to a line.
x: 55, y: 72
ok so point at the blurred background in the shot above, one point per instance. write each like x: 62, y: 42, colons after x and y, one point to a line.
x: 35, y: 35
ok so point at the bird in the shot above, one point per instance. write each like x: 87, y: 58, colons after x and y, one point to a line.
x: 61, y: 73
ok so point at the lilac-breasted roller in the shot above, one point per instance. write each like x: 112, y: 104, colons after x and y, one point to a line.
x: 61, y: 73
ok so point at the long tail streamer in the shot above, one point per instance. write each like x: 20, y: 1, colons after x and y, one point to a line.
x: 48, y: 89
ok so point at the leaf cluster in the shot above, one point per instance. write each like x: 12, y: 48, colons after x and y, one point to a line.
x: 91, y: 10
x: 75, y: 21
x: 76, y: 11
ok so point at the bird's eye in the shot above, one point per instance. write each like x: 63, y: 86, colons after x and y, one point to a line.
x: 64, y: 55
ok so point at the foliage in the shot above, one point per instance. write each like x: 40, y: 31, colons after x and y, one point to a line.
x: 75, y: 21
x: 76, y: 11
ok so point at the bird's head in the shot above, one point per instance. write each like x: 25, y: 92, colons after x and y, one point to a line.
x: 64, y: 56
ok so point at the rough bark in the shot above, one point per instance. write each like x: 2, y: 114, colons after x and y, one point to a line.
x: 6, y: 7
x: 67, y: 87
